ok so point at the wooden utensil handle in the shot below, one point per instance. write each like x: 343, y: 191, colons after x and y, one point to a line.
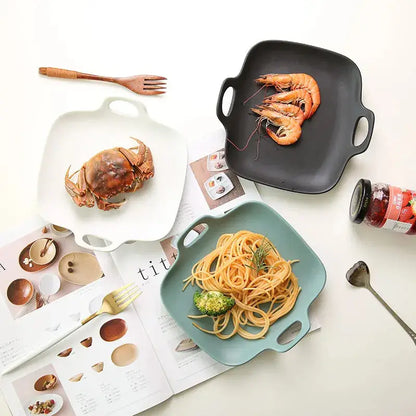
x: 58, y: 73
x: 66, y: 73
x: 48, y: 244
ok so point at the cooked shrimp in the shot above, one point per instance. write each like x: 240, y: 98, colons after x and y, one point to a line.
x: 279, y: 81
x: 289, y: 110
x: 288, y: 129
x: 300, y: 97
x: 305, y: 81
x: 294, y: 82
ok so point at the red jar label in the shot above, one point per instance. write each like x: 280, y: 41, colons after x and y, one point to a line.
x: 401, y: 210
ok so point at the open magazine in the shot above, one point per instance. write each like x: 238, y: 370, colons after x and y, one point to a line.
x: 118, y: 365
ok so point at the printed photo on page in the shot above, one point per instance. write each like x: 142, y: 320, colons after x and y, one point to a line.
x: 42, y: 266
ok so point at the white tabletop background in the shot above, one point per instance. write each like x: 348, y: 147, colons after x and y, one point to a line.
x: 361, y: 362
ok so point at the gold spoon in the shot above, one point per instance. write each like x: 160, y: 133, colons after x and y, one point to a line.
x: 359, y: 276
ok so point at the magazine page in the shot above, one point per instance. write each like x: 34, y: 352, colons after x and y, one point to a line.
x: 210, y: 188
x: 106, y: 366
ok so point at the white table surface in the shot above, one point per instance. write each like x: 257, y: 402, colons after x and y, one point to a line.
x: 361, y: 362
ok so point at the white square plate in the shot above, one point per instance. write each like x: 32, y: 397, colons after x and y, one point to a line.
x: 149, y: 213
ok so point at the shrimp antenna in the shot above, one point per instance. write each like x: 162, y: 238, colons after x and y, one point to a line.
x: 257, y: 148
x: 248, y: 140
x: 251, y: 96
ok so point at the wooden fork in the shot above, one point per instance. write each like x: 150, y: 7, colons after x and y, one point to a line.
x: 113, y: 303
x: 140, y: 84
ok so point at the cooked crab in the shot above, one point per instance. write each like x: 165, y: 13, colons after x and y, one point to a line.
x: 109, y: 173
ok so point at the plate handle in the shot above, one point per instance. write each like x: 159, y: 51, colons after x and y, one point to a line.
x: 229, y: 82
x: 305, y: 327
x: 141, y: 109
x: 369, y: 115
x: 110, y: 245
x: 200, y: 221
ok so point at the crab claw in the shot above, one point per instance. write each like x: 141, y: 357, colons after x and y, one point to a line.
x: 106, y: 206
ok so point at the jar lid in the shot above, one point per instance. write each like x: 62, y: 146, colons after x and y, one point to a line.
x: 360, y: 200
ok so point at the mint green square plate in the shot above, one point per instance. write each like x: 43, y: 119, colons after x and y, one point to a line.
x: 259, y: 218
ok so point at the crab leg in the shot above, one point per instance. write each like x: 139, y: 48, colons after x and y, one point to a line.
x: 135, y: 159
x: 142, y: 160
x: 132, y: 157
x: 79, y: 191
x: 70, y: 186
x: 106, y: 206
x: 136, y: 185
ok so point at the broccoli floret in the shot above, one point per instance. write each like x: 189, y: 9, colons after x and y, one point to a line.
x: 213, y: 303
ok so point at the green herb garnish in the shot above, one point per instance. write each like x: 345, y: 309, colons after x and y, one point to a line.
x: 259, y: 256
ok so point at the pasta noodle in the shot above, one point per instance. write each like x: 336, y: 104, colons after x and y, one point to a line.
x: 247, y: 267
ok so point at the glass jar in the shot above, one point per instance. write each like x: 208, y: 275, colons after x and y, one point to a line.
x: 384, y: 206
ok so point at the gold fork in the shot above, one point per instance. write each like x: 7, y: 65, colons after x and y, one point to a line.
x: 113, y: 303
x: 140, y: 84
x: 116, y: 301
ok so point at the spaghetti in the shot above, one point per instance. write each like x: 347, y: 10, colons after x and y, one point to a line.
x: 247, y: 267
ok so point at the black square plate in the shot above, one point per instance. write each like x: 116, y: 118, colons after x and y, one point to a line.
x: 314, y: 164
